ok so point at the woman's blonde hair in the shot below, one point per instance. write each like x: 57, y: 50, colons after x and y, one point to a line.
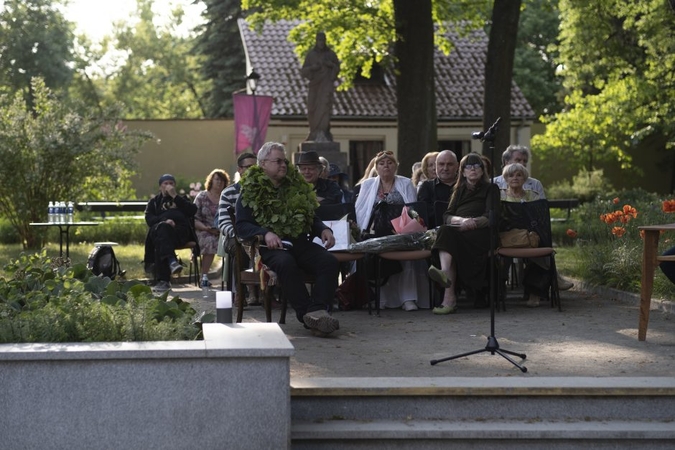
x: 425, y: 163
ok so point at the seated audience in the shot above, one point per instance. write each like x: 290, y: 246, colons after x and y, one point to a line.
x: 341, y: 178
x: 207, y: 208
x: 169, y: 217
x: 275, y: 188
x: 407, y: 289
x: 521, y: 155
x: 463, y: 242
x: 327, y: 191
x: 440, y: 188
x: 228, y: 199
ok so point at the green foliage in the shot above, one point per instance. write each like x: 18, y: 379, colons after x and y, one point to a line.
x: 44, y: 302
x: 609, y: 260
x: 535, y: 61
x: 288, y: 210
x: 35, y: 41
x: 52, y: 152
x: 585, y: 186
x: 619, y: 70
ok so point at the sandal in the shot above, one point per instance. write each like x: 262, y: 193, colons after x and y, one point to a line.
x: 439, y: 277
x: 443, y: 310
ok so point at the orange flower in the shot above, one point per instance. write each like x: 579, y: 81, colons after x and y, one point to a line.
x: 669, y: 206
x: 618, y: 231
x: 630, y: 211
x: 616, y: 200
x: 571, y: 233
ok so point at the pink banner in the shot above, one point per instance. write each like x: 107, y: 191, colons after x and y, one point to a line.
x: 251, y: 117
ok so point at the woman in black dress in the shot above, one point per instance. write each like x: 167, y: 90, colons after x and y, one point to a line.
x: 463, y: 242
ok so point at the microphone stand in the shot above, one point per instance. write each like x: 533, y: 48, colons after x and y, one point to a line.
x: 492, y: 344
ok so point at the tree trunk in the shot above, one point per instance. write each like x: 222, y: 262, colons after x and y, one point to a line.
x: 498, y: 75
x: 416, y: 99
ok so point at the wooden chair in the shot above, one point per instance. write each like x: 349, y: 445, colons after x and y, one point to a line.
x: 247, y: 275
x: 533, y: 216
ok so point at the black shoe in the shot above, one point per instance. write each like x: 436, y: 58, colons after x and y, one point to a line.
x: 478, y: 297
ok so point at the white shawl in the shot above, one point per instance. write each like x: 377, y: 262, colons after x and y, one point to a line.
x: 367, y: 194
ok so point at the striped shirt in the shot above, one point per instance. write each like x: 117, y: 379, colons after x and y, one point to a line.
x: 227, y: 199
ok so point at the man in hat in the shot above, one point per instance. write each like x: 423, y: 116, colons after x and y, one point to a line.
x: 169, y: 217
x: 309, y: 165
x: 288, y: 248
x: 340, y: 178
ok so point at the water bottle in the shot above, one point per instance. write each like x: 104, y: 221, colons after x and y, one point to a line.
x: 205, y: 286
x: 61, y: 211
x: 70, y: 211
x: 50, y: 212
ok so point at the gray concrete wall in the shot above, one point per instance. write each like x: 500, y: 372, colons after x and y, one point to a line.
x: 229, y: 391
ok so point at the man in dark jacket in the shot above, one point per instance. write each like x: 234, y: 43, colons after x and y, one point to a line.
x: 310, y: 167
x: 169, y: 217
x: 440, y: 188
x: 286, y: 239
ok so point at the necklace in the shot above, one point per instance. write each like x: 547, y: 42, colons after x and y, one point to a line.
x: 386, y: 190
x: 510, y: 193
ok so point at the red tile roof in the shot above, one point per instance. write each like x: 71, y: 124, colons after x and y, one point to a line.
x: 459, y: 79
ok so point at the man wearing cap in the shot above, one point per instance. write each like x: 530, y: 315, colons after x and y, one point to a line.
x: 440, y: 188
x: 169, y: 217
x: 309, y: 165
x: 268, y: 192
x: 340, y: 178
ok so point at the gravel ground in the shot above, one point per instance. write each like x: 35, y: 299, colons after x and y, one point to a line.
x: 594, y: 335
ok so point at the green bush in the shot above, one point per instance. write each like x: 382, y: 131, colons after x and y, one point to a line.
x: 585, y: 186
x: 8, y: 234
x: 612, y: 260
x: 45, y: 302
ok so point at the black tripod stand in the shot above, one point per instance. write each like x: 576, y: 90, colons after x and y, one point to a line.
x: 492, y: 344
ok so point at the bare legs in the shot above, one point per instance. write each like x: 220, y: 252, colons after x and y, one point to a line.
x: 207, y: 260
x: 449, y: 267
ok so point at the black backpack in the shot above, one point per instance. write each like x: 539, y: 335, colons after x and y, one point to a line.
x: 102, y: 262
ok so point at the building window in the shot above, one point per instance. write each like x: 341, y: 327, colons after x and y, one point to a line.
x: 360, y: 154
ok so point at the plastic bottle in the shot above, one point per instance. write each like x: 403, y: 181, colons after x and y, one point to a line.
x: 70, y: 212
x: 61, y: 212
x: 50, y: 212
x: 205, y: 286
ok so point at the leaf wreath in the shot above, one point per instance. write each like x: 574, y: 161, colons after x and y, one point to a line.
x: 287, y: 211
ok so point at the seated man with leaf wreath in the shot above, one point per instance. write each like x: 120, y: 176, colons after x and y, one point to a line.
x: 279, y: 205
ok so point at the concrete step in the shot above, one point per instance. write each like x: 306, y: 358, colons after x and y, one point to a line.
x: 563, y: 412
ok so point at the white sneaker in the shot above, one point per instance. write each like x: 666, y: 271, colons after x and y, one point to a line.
x: 563, y: 284
x: 175, y: 267
x: 410, y: 305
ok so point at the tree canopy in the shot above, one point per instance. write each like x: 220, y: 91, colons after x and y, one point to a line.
x: 618, y: 65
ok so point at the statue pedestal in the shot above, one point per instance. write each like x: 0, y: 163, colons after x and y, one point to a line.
x: 329, y: 150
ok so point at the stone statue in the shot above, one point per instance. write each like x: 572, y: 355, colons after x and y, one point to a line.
x: 320, y: 68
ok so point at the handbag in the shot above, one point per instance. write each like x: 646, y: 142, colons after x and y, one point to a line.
x: 353, y: 293
x: 519, y: 238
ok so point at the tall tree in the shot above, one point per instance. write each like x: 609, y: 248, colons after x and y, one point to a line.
x: 224, y: 64
x: 619, y: 68
x: 35, y: 41
x: 414, y: 48
x: 151, y: 68
x: 499, y: 73
x: 536, y: 58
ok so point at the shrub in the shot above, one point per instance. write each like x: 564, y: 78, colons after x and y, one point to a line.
x: 585, y: 186
x: 45, y: 302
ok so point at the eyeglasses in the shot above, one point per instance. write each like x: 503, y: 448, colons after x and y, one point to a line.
x: 246, y: 167
x: 279, y: 161
x: 385, y: 152
x: 473, y: 167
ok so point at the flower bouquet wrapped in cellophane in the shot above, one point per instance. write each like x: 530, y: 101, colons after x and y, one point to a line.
x: 415, y: 241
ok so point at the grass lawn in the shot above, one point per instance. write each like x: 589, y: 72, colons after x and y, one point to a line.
x: 130, y: 256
